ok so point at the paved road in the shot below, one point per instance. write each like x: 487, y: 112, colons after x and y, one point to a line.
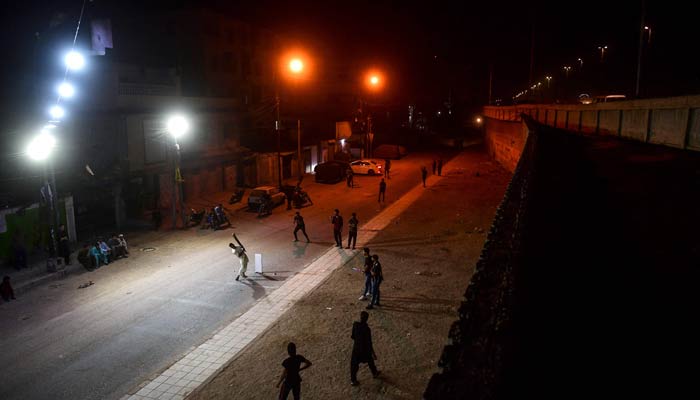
x: 142, y: 314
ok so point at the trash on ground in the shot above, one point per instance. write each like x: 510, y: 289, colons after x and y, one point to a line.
x: 329, y: 308
x: 84, y: 285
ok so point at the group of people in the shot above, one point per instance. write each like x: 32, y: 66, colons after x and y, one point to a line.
x: 362, y: 353
x: 217, y: 218
x: 337, y: 222
x: 103, y: 252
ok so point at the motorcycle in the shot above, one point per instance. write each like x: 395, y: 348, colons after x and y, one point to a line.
x: 237, y: 196
x: 196, y: 217
x: 301, y: 198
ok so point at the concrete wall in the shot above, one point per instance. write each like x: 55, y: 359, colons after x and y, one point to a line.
x: 673, y: 121
x: 505, y: 141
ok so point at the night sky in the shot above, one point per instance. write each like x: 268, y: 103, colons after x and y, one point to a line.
x: 431, y: 49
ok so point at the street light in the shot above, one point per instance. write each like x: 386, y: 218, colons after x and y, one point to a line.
x: 57, y: 112
x: 177, y: 125
x: 647, y: 28
x: 602, y: 52
x: 566, y: 70
x: 580, y: 63
x: 548, y: 78
x: 40, y: 149
x: 74, y: 60
x: 66, y: 90
x: 374, y: 82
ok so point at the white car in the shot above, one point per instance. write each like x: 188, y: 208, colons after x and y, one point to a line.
x: 369, y: 167
x: 257, y: 194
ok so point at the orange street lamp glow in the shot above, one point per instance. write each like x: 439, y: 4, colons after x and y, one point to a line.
x: 296, y: 65
x: 374, y: 80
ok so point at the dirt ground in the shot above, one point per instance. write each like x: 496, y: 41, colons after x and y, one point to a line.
x: 428, y: 255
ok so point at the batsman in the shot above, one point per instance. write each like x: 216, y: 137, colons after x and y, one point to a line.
x: 239, y: 251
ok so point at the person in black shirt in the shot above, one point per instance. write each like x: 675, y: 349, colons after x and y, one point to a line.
x: 382, y: 191
x: 367, y: 290
x: 424, y: 174
x: 362, y: 349
x: 291, y: 378
x: 352, y: 230
x: 377, y: 278
x: 299, y: 226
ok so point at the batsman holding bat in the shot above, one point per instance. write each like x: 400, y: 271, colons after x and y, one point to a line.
x: 239, y: 251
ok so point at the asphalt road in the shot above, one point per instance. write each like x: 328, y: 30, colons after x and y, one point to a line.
x: 146, y: 312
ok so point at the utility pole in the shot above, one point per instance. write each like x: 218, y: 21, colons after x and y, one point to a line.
x: 277, y: 127
x: 490, y: 82
x: 532, y: 51
x: 299, y: 162
x: 639, y: 50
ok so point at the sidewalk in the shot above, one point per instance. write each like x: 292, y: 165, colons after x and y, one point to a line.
x: 209, y: 366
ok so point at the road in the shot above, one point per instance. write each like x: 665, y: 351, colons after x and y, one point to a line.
x: 145, y: 312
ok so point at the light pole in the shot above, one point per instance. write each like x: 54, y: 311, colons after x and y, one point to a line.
x: 548, y: 78
x: 566, y: 70
x: 40, y: 149
x: 602, y: 52
x: 177, y: 125
x: 296, y: 68
x: 580, y: 63
x: 374, y: 82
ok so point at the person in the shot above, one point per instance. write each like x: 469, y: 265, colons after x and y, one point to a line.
x: 382, y: 191
x: 367, y: 290
x: 105, y: 250
x: 434, y: 166
x: 265, y: 205
x: 221, y: 215
x: 439, y: 167
x: 84, y: 257
x: 239, y: 252
x: 96, y: 255
x: 64, y: 245
x: 122, y: 240
x: 6, y: 289
x: 424, y: 174
x: 352, y: 230
x: 299, y: 226
x: 377, y: 278
x: 362, y: 349
x: 19, y: 253
x: 337, y: 221
x: 116, y: 246
x: 290, y: 379
x: 387, y: 167
x: 349, y: 179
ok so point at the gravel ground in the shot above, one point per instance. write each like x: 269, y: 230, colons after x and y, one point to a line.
x: 428, y: 255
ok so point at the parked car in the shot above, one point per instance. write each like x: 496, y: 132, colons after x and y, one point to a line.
x: 257, y: 194
x: 331, y: 171
x: 392, y: 151
x: 369, y: 167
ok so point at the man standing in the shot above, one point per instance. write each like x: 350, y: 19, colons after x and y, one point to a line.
x: 239, y: 252
x: 377, y: 278
x: 337, y: 222
x: 291, y: 378
x: 387, y: 167
x: 299, y: 226
x: 424, y: 174
x: 64, y: 244
x: 350, y: 178
x: 362, y: 349
x: 352, y: 230
x: 439, y: 167
x: 367, y: 270
x: 434, y: 166
x: 382, y: 191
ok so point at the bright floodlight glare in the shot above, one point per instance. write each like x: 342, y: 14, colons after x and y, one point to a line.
x: 40, y: 148
x: 74, y: 60
x: 66, y: 90
x: 374, y: 80
x: 57, y: 112
x: 296, y: 65
x: 177, y: 126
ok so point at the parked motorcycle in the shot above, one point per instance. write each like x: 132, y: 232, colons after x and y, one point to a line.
x: 301, y: 198
x: 196, y: 217
x: 237, y: 196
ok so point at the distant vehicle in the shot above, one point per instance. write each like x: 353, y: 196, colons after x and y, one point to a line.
x: 256, y: 196
x: 331, y: 171
x: 392, y: 151
x: 610, y: 98
x: 585, y: 98
x: 369, y: 167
